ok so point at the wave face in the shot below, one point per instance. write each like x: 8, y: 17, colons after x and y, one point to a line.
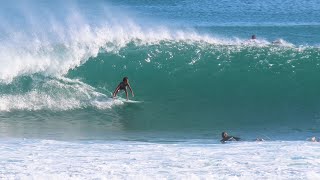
x: 187, y: 79
x: 200, y: 84
x: 184, y: 84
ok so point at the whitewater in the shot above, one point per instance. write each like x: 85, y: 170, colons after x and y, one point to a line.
x: 41, y: 159
x: 193, y: 67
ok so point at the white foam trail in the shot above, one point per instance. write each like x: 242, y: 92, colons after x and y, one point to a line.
x: 57, y: 95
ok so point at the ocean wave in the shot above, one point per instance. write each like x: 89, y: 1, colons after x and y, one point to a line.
x: 52, y: 45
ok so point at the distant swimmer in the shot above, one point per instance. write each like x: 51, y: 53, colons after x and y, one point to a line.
x: 226, y: 137
x: 123, y: 86
x: 253, y: 40
x: 314, y: 139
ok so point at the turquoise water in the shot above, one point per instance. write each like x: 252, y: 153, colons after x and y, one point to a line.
x: 192, y: 66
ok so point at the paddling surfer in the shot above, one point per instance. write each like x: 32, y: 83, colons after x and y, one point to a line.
x: 226, y: 137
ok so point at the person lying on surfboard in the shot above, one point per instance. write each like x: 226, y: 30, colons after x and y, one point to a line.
x: 226, y: 137
x: 123, y: 86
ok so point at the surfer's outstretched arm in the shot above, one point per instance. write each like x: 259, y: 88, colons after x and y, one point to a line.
x: 116, y: 91
x: 131, y: 90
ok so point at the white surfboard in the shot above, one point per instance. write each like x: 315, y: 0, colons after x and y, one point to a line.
x: 131, y: 101
x: 128, y: 101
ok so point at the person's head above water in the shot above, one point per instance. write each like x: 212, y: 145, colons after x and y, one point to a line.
x: 253, y: 37
x: 226, y: 137
x: 224, y: 134
x: 125, y: 79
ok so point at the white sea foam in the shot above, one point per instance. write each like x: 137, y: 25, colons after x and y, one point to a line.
x: 57, y: 94
x: 43, y: 159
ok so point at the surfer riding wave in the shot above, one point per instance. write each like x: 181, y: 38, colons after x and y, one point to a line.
x: 123, y: 86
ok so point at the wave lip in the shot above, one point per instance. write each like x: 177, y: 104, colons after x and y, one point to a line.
x: 63, y: 45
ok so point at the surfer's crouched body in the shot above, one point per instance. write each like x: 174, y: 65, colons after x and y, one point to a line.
x: 226, y: 137
x: 123, y: 86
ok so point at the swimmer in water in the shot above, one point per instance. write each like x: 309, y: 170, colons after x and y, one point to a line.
x: 314, y: 139
x: 123, y: 86
x: 226, y: 137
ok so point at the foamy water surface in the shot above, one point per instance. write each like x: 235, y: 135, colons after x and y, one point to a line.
x: 43, y: 159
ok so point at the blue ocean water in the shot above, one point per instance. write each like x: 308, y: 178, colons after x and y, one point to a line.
x: 192, y: 65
